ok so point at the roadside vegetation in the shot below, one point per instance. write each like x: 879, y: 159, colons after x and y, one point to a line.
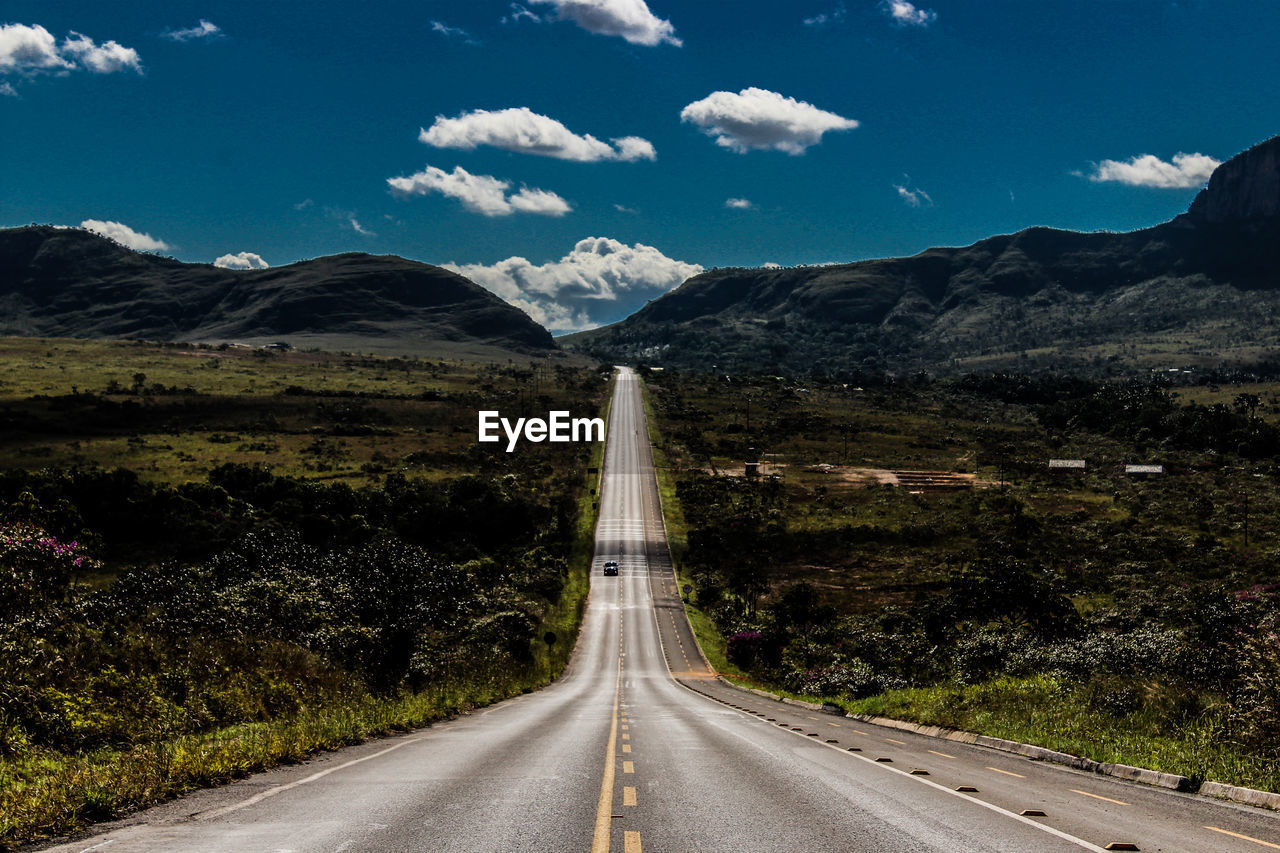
x: 906, y: 551
x: 194, y: 608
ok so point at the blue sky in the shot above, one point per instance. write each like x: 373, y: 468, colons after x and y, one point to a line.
x: 482, y: 134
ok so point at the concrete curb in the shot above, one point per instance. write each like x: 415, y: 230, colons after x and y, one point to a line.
x: 1248, y: 796
x: 1039, y: 753
x: 764, y: 694
x: 1172, y: 781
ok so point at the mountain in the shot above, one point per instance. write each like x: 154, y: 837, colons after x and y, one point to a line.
x: 66, y: 282
x: 1194, y: 291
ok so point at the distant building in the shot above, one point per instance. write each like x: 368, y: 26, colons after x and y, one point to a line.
x: 1144, y: 470
x: 1066, y: 465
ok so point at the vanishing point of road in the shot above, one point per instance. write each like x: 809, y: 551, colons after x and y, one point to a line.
x: 640, y: 748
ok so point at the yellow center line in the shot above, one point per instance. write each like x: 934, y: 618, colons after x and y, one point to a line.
x: 631, y: 842
x: 943, y: 754
x: 856, y: 732
x: 1244, y: 837
x: 628, y: 767
x: 898, y: 742
x: 837, y: 725
x: 626, y: 747
x: 628, y: 795
x: 625, y: 735
x: 604, y: 807
x: 1097, y: 797
x: 1007, y: 772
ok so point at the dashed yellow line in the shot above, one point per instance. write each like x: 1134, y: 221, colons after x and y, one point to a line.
x: 628, y: 767
x: 1244, y: 837
x: 943, y: 754
x: 1007, y: 772
x: 626, y: 747
x: 1097, y: 797
x: 631, y: 842
x: 628, y: 796
x: 898, y: 742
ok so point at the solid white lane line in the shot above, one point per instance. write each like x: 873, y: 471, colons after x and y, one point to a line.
x: 278, y: 789
x: 1079, y: 842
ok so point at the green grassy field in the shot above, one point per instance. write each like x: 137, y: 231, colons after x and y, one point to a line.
x: 171, y: 466
x: 911, y: 601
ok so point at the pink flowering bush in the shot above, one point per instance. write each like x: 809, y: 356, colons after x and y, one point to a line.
x: 36, y: 569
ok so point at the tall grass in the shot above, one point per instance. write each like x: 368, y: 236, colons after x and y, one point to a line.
x: 1054, y: 714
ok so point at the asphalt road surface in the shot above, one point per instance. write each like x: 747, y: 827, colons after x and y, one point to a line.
x: 640, y: 748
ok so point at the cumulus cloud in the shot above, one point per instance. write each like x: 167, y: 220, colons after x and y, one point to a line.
x: 630, y: 19
x: 522, y: 130
x: 28, y: 49
x: 1147, y: 170
x: 760, y: 119
x: 908, y: 15
x: 202, y: 30
x: 483, y: 194
x: 125, y: 236
x: 738, y: 203
x: 241, y: 261
x: 105, y: 58
x: 913, y: 197
x: 597, y: 281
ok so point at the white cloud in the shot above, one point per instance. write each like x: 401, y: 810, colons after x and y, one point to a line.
x: 241, y: 261
x: 358, y: 228
x: 451, y: 32
x: 125, y: 236
x: 622, y: 208
x: 522, y: 130
x: 105, y: 58
x: 483, y: 194
x: 1147, y: 170
x: 738, y: 203
x: 519, y: 13
x: 760, y: 119
x: 6, y: 88
x: 202, y: 30
x: 598, y: 279
x: 835, y: 16
x: 906, y: 14
x: 770, y: 265
x: 29, y: 48
x: 630, y: 19
x: 913, y: 197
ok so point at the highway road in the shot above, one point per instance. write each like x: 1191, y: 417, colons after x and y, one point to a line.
x: 640, y: 748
